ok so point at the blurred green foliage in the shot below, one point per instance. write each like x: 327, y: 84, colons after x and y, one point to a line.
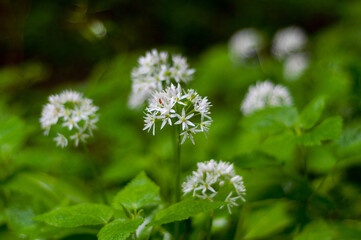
x: 301, y: 165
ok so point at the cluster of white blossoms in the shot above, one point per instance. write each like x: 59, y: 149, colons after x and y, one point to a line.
x: 245, y: 43
x: 72, y: 116
x: 288, y: 41
x: 265, y: 94
x: 175, y: 106
x: 211, y: 177
x: 295, y: 65
x: 154, y: 72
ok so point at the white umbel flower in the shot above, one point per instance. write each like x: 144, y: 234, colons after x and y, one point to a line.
x: 72, y: 116
x: 173, y: 106
x: 294, y: 66
x: 287, y: 41
x: 211, y: 178
x: 245, y: 43
x: 265, y: 94
x: 154, y: 72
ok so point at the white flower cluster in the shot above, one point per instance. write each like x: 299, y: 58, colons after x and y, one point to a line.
x: 154, y: 72
x: 72, y: 116
x: 175, y: 106
x: 245, y: 43
x: 265, y: 94
x: 287, y: 41
x: 211, y: 177
x: 295, y: 65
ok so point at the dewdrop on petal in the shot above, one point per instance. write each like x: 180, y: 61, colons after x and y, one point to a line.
x: 265, y: 94
x: 287, y: 41
x: 245, y: 43
x: 294, y: 66
x: 210, y: 178
x: 154, y: 72
x: 72, y: 116
x: 174, y: 106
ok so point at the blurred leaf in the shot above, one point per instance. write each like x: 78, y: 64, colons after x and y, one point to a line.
x: 311, y: 113
x: 329, y: 129
x: 183, y: 210
x: 49, y: 190
x: 320, y: 160
x: 267, y: 220
x: 78, y: 215
x: 138, y: 193
x: 271, y: 119
x: 280, y: 146
x: 119, y: 229
x: 317, y: 230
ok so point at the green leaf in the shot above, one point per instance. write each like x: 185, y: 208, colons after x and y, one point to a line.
x: 317, y: 230
x: 78, y: 215
x: 311, y: 113
x: 138, y: 193
x: 183, y: 210
x: 329, y: 129
x: 264, y: 221
x: 119, y: 229
x: 271, y: 120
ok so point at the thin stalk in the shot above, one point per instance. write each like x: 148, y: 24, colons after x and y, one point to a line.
x: 96, y: 176
x: 209, y: 227
x: 178, y: 169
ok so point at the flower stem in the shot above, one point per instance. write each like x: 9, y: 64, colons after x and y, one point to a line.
x: 178, y: 169
x: 96, y: 176
x: 209, y: 227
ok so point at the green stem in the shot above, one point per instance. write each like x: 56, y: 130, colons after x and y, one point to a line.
x: 209, y: 227
x: 96, y: 175
x: 178, y: 169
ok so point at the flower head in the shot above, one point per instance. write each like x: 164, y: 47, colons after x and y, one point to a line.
x: 294, y: 66
x: 287, y: 41
x: 265, y: 94
x: 245, y: 43
x: 174, y: 106
x: 154, y: 72
x: 73, y: 117
x: 212, y: 177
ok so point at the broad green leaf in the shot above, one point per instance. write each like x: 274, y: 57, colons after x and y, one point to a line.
x: 329, y: 129
x: 49, y: 190
x: 78, y: 215
x: 183, y: 210
x: 281, y: 146
x: 317, y: 230
x: 267, y: 220
x: 119, y: 229
x: 311, y: 113
x: 320, y: 160
x: 138, y: 193
x: 271, y: 119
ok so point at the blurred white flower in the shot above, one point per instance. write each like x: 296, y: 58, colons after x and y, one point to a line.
x: 154, y: 72
x: 210, y: 178
x: 175, y: 106
x: 294, y: 66
x: 287, y: 41
x: 245, y: 43
x: 73, y: 117
x: 265, y: 94
x: 98, y: 28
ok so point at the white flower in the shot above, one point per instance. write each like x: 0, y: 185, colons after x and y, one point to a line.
x: 294, y: 66
x: 287, y: 41
x: 184, y: 120
x: 210, y: 178
x: 265, y: 94
x: 245, y: 43
x: 74, y: 116
x: 174, y: 106
x: 61, y: 140
x: 154, y: 73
